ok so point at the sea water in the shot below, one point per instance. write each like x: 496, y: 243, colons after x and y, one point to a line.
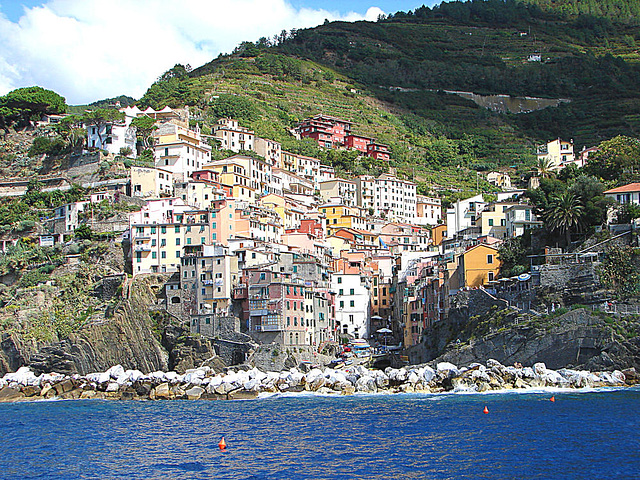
x: 583, y: 434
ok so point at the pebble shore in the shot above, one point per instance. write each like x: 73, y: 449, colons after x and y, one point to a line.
x: 247, y: 383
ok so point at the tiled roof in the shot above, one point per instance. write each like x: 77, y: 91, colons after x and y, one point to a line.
x: 631, y: 187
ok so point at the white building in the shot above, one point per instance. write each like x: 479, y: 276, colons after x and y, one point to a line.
x: 559, y: 153
x: 113, y: 136
x: 351, y: 304
x: 520, y: 218
x: 346, y: 190
x: 428, y: 210
x: 198, y: 194
x: 180, y: 150
x: 232, y: 136
x: 463, y: 214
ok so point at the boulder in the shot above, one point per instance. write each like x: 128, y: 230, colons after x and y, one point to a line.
x: 366, y: 384
x: 64, y: 386
x: 10, y: 394
x: 31, y: 390
x: 540, y: 368
x: 194, y: 393
x: 163, y: 391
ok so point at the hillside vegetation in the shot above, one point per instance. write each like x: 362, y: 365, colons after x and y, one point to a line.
x: 388, y: 78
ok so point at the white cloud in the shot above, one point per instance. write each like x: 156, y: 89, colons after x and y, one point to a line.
x: 92, y: 49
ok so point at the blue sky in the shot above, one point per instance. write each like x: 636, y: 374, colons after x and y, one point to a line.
x: 88, y: 50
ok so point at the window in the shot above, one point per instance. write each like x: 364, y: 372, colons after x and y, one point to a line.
x: 491, y: 222
x: 341, y: 292
x: 163, y: 242
x: 352, y: 291
x: 490, y: 276
x: 153, y: 254
x: 352, y: 303
x: 339, y: 279
x: 188, y: 241
x: 177, y: 241
x: 163, y: 229
x: 489, y: 258
x: 153, y: 242
x: 177, y: 229
x: 177, y: 253
x: 341, y: 304
x: 163, y: 254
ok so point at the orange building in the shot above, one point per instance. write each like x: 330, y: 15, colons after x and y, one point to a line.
x: 478, y: 265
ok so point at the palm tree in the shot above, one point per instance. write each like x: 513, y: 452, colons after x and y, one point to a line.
x: 544, y: 167
x: 564, y: 213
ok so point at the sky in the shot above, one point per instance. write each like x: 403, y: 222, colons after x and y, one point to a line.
x: 88, y: 50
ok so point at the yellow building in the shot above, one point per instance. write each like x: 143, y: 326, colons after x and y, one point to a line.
x: 493, y: 220
x: 558, y: 153
x: 341, y: 216
x: 478, y: 265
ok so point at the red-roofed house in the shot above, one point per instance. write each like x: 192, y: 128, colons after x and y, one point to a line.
x: 626, y: 194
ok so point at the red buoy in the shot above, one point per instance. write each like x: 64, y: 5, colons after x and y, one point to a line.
x: 486, y: 410
x: 553, y: 399
x: 222, y: 444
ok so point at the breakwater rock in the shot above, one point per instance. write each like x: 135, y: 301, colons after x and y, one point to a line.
x: 246, y: 382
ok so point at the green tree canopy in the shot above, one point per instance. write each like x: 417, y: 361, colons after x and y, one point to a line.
x: 101, y: 117
x: 145, y: 126
x: 22, y: 105
x: 564, y: 214
x: 616, y: 159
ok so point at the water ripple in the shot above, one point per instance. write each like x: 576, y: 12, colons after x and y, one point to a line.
x: 365, y: 437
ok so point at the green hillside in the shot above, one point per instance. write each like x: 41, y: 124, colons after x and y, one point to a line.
x: 389, y: 77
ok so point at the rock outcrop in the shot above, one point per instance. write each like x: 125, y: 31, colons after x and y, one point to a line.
x: 579, y: 338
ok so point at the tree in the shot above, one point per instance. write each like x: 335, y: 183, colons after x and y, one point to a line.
x: 83, y: 232
x: 619, y: 271
x: 145, y: 126
x: 616, y: 159
x: 21, y: 106
x: 100, y: 117
x: 512, y: 253
x: 564, y: 214
x: 544, y: 167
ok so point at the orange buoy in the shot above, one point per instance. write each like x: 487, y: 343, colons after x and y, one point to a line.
x: 222, y: 444
x: 486, y: 410
x: 552, y: 399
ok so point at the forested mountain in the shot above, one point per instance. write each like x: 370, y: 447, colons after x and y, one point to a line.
x: 621, y: 10
x: 389, y: 77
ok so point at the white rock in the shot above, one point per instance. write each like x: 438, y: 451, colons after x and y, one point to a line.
x: 540, y: 368
x: 527, y: 372
x: 493, y: 363
x: 428, y: 374
x: 413, y: 378
x: 158, y: 376
x: 113, y: 387
x: 480, y: 375
x: 448, y: 369
x: 366, y: 384
x: 252, y: 385
x: 313, y: 374
x: 618, y: 375
x: 554, y: 378
x: 173, y: 377
x: 116, y: 371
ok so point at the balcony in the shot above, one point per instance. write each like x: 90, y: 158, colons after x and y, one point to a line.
x: 259, y: 312
x: 142, y: 248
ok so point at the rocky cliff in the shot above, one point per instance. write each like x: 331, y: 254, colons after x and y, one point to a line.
x: 132, y: 337
x: 480, y: 328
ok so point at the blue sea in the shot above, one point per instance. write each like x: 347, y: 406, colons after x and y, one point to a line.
x: 581, y: 435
